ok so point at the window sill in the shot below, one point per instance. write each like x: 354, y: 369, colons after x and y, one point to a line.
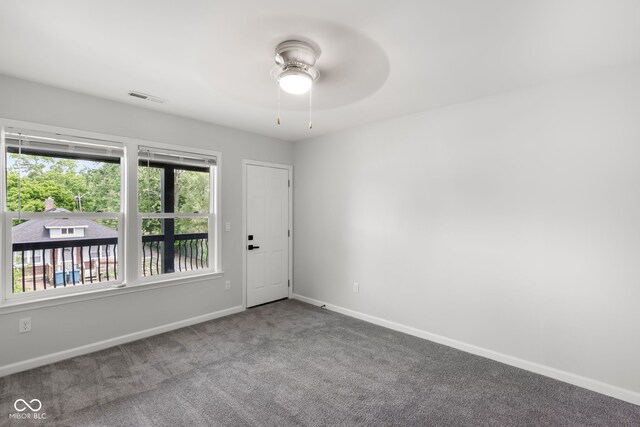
x: 13, y: 306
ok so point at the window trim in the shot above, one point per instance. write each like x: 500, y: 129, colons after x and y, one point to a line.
x: 7, y: 295
x: 129, y: 232
x: 211, y: 216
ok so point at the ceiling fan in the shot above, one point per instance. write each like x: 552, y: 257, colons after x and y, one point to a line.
x: 295, y: 72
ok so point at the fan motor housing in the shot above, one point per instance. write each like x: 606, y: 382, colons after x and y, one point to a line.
x: 296, y: 55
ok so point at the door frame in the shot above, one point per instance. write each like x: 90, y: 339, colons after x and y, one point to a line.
x: 289, y: 169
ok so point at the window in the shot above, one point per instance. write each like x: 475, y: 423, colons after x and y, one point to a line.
x: 98, y: 251
x: 29, y: 258
x: 64, y: 212
x: 176, y: 206
x: 57, y: 232
x: 61, y: 199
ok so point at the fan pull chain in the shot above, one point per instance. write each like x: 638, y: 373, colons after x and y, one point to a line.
x: 20, y: 176
x: 310, y: 122
x: 148, y: 181
x: 278, y: 120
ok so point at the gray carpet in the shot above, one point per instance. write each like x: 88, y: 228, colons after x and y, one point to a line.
x: 289, y: 363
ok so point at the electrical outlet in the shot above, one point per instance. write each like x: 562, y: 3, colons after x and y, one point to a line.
x: 227, y: 226
x: 24, y: 325
x: 227, y: 285
x: 356, y: 287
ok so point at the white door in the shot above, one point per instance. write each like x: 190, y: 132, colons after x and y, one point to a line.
x: 267, y: 238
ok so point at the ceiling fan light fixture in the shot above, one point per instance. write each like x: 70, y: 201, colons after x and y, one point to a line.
x: 295, y: 72
x: 295, y: 82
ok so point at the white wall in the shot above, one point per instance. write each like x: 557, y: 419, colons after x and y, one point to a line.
x: 511, y: 223
x: 72, y: 325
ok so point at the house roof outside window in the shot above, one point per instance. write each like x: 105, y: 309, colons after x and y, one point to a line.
x: 37, y: 230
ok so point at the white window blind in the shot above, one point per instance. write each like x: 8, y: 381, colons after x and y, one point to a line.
x: 183, y: 158
x: 35, y: 142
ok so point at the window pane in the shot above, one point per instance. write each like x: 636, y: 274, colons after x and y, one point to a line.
x: 54, y: 253
x: 150, y: 184
x: 192, y: 225
x: 191, y: 191
x: 54, y: 182
x: 189, y: 251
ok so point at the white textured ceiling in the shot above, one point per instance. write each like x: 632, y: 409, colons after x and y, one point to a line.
x: 380, y: 58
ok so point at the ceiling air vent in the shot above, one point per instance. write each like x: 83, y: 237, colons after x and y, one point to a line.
x: 146, y: 97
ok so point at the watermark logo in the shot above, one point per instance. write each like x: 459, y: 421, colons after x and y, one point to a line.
x: 33, y: 406
x: 21, y: 405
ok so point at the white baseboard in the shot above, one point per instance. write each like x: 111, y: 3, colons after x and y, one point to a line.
x: 568, y: 377
x: 111, y: 342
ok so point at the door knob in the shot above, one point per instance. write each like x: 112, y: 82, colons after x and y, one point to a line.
x: 252, y: 247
